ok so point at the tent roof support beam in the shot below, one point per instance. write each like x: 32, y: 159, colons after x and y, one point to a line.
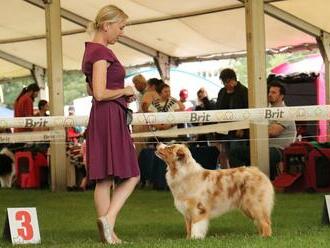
x: 41, y: 36
x: 193, y: 13
x: 79, y: 20
x: 290, y: 19
x: 16, y: 60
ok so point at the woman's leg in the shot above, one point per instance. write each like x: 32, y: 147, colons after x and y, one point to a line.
x: 119, y: 197
x: 102, y: 197
x: 110, y: 209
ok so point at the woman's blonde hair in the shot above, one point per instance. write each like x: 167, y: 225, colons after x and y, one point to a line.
x: 109, y: 14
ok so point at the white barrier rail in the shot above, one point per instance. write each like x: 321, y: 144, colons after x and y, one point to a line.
x: 59, y: 135
x: 223, y: 128
x: 301, y: 113
x: 42, y: 136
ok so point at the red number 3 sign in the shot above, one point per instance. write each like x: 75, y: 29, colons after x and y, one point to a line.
x: 26, y: 232
x: 23, y: 223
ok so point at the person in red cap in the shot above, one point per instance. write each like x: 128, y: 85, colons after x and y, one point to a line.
x: 188, y: 106
x: 183, y: 98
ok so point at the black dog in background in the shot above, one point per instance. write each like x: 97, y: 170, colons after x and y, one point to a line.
x: 7, y: 168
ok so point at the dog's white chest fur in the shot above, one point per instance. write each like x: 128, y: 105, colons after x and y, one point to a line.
x: 180, y: 206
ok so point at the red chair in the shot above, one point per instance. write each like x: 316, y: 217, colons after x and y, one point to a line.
x: 293, y: 177
x: 40, y: 160
x: 26, y: 172
x: 318, y: 170
x: 306, y: 167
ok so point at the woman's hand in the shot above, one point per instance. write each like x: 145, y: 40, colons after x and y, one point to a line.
x: 128, y: 91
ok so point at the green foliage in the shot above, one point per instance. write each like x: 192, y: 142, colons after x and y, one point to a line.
x: 13, y: 88
x: 75, y: 86
x: 149, y: 219
x: 73, y: 83
x: 240, y: 67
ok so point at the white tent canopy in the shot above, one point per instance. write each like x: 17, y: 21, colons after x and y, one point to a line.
x: 191, y: 29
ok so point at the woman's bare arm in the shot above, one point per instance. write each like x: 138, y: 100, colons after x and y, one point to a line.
x: 100, y: 92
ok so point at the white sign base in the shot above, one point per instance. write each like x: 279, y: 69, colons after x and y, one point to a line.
x: 326, y: 210
x: 21, y: 226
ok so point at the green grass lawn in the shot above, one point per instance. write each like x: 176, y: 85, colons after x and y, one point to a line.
x: 149, y: 219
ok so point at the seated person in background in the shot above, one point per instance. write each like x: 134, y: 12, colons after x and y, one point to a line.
x: 43, y: 108
x: 150, y: 94
x: 281, y: 134
x: 73, y: 133
x: 201, y: 93
x: 165, y: 103
x: 140, y: 84
x: 188, y: 105
x: 202, y: 139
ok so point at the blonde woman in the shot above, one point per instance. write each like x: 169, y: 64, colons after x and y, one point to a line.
x: 110, y: 151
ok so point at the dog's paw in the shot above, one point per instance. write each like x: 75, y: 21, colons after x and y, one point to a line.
x: 197, y: 236
x: 199, y: 229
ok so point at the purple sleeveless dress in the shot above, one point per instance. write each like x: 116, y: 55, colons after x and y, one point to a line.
x: 110, y: 150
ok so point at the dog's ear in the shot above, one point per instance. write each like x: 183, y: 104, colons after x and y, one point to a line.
x: 180, y: 154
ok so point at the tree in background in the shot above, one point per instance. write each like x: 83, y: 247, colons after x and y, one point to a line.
x: 73, y: 82
x: 13, y: 88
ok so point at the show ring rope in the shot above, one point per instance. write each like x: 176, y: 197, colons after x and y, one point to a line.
x: 238, y: 118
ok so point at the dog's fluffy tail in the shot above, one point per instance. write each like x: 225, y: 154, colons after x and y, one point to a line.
x: 7, y: 168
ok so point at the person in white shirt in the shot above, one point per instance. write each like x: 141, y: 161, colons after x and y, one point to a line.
x: 150, y: 93
x: 281, y: 134
x: 140, y: 84
x: 189, y: 106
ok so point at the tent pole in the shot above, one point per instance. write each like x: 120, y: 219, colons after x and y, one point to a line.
x: 324, y: 45
x: 55, y: 81
x: 163, y: 64
x: 38, y: 74
x: 256, y: 63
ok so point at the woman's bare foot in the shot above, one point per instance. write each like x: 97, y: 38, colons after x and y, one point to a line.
x: 115, y: 238
x: 105, y: 230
